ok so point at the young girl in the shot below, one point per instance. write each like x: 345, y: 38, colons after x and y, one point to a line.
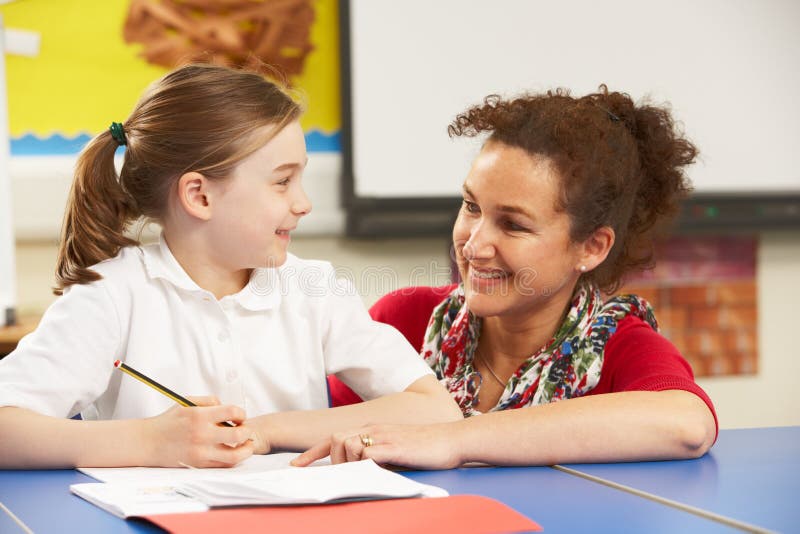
x: 217, y: 307
x: 558, y: 207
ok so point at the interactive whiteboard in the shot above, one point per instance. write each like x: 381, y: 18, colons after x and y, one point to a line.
x: 728, y: 68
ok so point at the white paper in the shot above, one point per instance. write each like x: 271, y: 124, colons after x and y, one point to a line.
x: 253, y: 464
x: 126, y: 499
x: 363, y: 480
x: 324, y: 484
x: 22, y: 42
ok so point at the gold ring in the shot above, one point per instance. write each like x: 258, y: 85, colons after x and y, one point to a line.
x: 366, y: 440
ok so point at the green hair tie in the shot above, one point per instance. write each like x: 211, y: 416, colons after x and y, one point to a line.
x: 118, y: 133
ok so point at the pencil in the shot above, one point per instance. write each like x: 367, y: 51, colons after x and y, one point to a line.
x: 183, y: 401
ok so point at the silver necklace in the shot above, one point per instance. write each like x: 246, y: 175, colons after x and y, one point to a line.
x: 489, y: 367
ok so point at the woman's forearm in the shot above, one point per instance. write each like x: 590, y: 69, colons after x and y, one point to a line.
x: 626, y: 426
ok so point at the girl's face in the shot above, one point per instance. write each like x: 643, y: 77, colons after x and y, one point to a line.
x: 262, y: 202
x: 512, y: 246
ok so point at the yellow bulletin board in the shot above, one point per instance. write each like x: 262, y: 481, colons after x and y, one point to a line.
x: 86, y: 75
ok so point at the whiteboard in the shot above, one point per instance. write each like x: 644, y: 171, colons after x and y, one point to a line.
x: 729, y: 69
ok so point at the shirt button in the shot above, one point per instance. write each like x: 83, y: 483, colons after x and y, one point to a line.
x: 231, y: 375
x: 222, y: 336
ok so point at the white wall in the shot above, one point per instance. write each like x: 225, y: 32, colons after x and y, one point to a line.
x: 7, y: 274
x: 40, y: 186
x: 772, y: 397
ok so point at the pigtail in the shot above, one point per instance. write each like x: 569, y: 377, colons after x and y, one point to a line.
x: 98, y: 213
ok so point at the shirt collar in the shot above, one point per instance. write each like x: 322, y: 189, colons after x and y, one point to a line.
x: 262, y: 292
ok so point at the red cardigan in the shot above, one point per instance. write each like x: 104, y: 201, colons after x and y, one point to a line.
x: 636, y: 357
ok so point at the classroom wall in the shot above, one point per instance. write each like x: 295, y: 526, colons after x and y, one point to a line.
x: 769, y: 398
x: 40, y: 188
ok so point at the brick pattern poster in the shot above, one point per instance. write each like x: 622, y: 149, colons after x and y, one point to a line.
x: 704, y: 293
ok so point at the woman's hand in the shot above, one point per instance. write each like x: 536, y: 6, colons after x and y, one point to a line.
x: 416, y: 446
x: 198, y: 436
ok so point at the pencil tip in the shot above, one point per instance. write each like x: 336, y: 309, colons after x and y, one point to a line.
x: 117, y: 363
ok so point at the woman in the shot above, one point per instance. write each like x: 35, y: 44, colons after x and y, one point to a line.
x: 559, y: 206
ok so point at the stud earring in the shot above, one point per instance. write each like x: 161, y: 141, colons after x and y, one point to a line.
x: 583, y: 268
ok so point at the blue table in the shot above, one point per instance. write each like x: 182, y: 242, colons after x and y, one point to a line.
x: 564, y: 503
x: 42, y: 500
x: 750, y: 475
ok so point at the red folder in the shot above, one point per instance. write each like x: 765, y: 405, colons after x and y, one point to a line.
x: 459, y: 514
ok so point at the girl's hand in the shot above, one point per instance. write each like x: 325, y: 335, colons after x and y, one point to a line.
x: 198, y: 437
x: 261, y: 443
x: 414, y: 446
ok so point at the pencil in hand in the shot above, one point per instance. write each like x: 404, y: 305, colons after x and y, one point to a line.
x: 183, y: 401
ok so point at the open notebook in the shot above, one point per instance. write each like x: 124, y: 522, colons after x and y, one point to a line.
x: 254, y: 464
x: 353, y: 481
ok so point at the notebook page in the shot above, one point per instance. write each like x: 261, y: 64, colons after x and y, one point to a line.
x: 322, y: 484
x: 363, y: 480
x: 254, y: 464
x: 133, y: 499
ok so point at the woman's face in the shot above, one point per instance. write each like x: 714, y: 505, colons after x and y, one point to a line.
x: 512, y: 245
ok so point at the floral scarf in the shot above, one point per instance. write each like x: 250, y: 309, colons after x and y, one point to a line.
x: 567, y: 366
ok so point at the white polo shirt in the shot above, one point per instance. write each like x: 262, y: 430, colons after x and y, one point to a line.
x: 267, y: 348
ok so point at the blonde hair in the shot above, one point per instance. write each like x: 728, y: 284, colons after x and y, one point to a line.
x: 201, y: 118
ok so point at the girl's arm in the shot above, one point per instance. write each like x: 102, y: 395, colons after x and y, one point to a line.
x: 66, y: 364
x: 613, y: 427
x: 424, y: 401
x: 178, y: 437
x: 374, y: 359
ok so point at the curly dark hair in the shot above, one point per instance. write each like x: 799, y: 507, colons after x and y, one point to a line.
x: 621, y: 165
